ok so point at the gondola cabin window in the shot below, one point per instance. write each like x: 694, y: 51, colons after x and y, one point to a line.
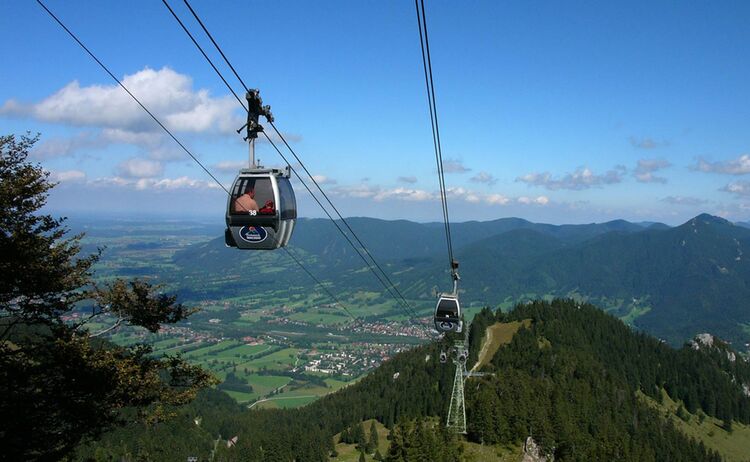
x: 447, y: 308
x: 253, y: 196
x: 288, y: 201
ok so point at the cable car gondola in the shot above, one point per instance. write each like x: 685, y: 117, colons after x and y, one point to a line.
x: 448, y: 314
x: 448, y: 309
x: 261, y: 210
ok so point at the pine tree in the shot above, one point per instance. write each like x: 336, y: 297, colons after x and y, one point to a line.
x: 332, y: 448
x: 397, y: 448
x: 373, y: 441
x: 727, y: 425
x: 346, y: 436
x: 358, y: 436
x: 59, y: 381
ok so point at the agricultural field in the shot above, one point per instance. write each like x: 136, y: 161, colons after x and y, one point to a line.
x: 250, y: 332
x: 326, y: 316
x: 252, y: 364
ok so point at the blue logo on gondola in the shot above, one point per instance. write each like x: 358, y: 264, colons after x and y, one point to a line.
x: 253, y: 234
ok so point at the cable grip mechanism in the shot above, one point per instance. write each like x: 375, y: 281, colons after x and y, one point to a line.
x: 255, y: 109
x: 455, y: 276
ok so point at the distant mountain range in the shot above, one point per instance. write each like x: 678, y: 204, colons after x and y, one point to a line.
x: 673, y: 282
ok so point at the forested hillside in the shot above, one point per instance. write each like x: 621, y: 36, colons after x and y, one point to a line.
x: 571, y: 381
x: 573, y: 378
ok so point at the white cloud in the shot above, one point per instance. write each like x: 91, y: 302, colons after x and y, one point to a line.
x: 407, y: 179
x: 322, y: 179
x: 140, y: 168
x: 144, y: 139
x: 168, y: 94
x: 68, y: 176
x: 182, y: 182
x: 112, y: 181
x: 454, y: 166
x: 497, y: 199
x: 155, y: 145
x: 539, y: 200
x: 455, y: 191
x: 484, y: 177
x: 167, y: 152
x: 644, y: 172
x: 581, y: 178
x: 684, y: 200
x: 472, y: 198
x: 406, y: 194
x: 163, y: 184
x: 361, y: 191
x: 64, y: 147
x: 365, y: 191
x: 418, y: 195
x: 738, y: 166
x: 738, y: 188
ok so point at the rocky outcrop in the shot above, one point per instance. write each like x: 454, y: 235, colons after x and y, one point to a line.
x: 532, y: 452
x: 702, y: 340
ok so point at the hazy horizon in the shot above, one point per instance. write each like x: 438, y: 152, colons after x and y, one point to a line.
x: 218, y: 219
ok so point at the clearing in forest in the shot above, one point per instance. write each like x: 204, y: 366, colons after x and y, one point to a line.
x: 497, y: 335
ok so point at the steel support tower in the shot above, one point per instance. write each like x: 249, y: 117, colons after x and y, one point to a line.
x: 457, y: 409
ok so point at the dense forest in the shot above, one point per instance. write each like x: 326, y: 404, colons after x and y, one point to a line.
x: 570, y: 381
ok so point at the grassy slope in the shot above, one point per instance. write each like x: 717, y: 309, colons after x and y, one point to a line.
x: 734, y: 447
x: 472, y: 452
x: 497, y: 335
x: 348, y: 453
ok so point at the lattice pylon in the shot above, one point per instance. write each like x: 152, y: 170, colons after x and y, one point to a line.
x: 457, y: 409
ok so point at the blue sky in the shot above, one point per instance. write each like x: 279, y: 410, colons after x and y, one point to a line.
x: 561, y: 112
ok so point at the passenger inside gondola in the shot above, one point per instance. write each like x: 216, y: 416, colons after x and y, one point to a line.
x: 257, y: 197
x: 246, y: 202
x: 267, y: 209
x: 447, y: 308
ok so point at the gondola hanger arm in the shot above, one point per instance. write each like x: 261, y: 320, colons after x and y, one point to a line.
x: 455, y: 276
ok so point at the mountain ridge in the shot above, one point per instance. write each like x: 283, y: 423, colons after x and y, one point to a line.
x: 672, y: 282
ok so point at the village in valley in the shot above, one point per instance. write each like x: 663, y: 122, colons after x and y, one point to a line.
x: 265, y: 356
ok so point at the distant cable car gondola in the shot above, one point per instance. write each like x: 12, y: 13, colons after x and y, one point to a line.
x: 261, y: 208
x: 448, y: 308
x: 448, y: 314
